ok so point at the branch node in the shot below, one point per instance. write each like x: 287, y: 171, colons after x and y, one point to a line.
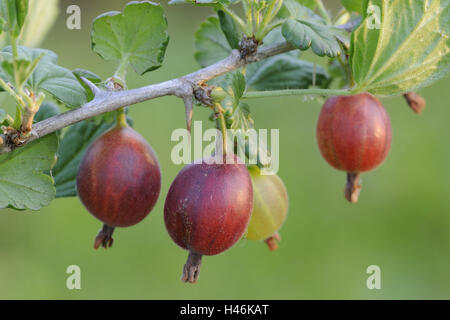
x: 202, y: 94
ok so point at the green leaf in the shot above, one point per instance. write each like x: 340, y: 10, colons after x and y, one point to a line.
x: 13, y: 13
x: 21, y: 12
x: 311, y: 4
x: 324, y: 40
x: 353, y: 5
x: 229, y: 29
x: 408, y: 51
x: 217, y: 4
x: 211, y: 43
x: 48, y: 76
x: 3, y: 117
x: 237, y: 112
x: 23, y: 183
x: 241, y: 118
x: 71, y: 151
x: 302, y: 10
x: 285, y: 71
x: 92, y: 77
x: 137, y: 36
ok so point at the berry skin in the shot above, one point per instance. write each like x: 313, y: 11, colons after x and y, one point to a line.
x: 354, y: 135
x: 207, y: 210
x: 270, y: 208
x: 119, y: 180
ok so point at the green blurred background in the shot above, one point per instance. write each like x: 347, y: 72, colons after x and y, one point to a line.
x: 400, y: 224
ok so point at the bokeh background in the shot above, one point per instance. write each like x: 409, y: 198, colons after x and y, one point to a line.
x: 402, y: 222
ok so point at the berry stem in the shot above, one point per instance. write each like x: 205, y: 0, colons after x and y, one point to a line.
x: 191, y: 269
x: 121, y: 118
x: 297, y: 92
x: 272, y: 241
x: 104, y: 237
x: 352, y: 187
x: 222, y: 126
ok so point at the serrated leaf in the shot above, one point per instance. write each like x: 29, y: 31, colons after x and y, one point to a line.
x: 71, y: 151
x: 241, y: 118
x: 229, y: 29
x: 237, y: 112
x: 48, y: 76
x: 23, y: 183
x: 137, y: 36
x: 408, y: 51
x: 211, y: 43
x: 324, y: 40
x: 285, y: 71
x: 298, y: 9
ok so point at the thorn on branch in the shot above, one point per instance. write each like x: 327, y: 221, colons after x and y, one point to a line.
x: 188, y: 104
x: 95, y: 90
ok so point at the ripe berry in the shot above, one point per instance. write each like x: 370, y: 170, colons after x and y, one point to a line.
x: 270, y: 207
x: 118, y: 181
x: 207, y: 210
x: 354, y: 135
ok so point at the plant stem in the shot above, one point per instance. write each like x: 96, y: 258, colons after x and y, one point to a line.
x: 221, y: 123
x: 248, y: 12
x: 121, y: 118
x: 8, y: 89
x: 270, y: 13
x: 121, y: 71
x: 323, y: 11
x: 296, y: 92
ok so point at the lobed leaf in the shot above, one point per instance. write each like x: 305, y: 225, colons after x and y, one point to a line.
x: 324, y: 40
x: 137, y: 36
x: 408, y: 51
x: 23, y: 183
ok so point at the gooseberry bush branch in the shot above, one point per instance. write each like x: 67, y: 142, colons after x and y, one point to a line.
x: 255, y: 51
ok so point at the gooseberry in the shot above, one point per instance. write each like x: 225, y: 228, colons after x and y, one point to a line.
x: 118, y: 181
x: 354, y: 135
x: 207, y: 210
